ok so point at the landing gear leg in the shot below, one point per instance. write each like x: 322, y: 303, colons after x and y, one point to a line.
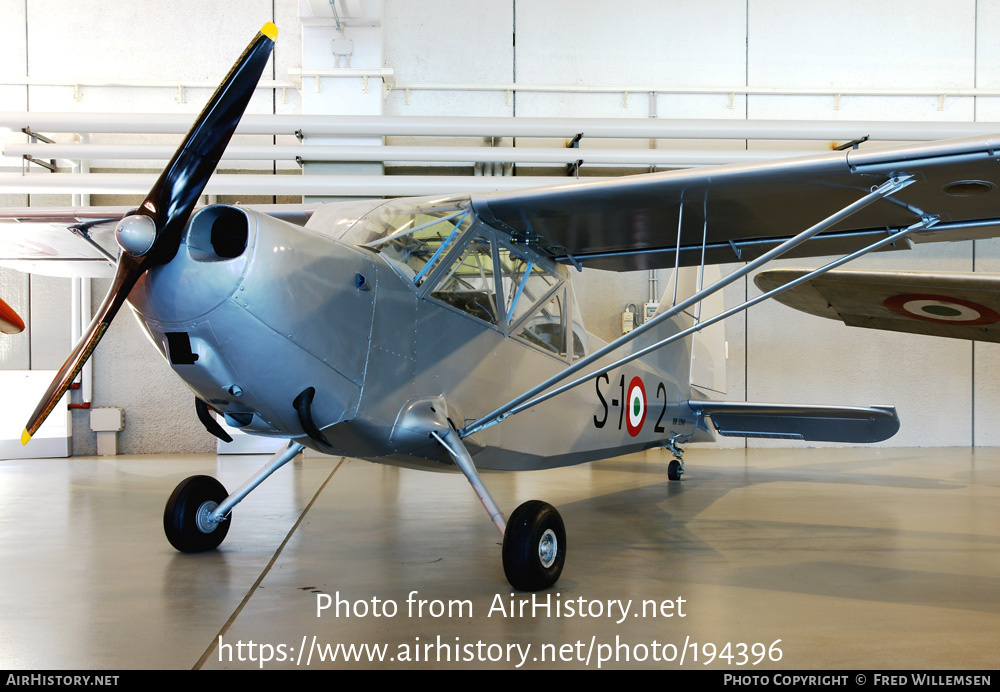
x: 534, y: 540
x: 196, y: 517
x: 675, y: 469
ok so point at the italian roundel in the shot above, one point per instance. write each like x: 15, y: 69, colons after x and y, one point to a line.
x: 636, y: 406
x: 941, y: 309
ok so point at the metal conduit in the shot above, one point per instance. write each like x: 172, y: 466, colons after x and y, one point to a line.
x: 451, y: 126
x: 387, y: 76
x: 234, y: 184
x: 312, y: 153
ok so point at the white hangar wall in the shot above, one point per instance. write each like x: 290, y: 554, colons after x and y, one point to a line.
x: 942, y: 388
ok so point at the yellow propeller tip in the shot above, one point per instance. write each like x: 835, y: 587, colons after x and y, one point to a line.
x: 25, y: 437
x: 270, y: 30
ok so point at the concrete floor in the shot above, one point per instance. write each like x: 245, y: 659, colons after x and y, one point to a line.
x: 852, y: 558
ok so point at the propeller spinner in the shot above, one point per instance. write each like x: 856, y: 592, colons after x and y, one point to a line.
x: 154, y: 239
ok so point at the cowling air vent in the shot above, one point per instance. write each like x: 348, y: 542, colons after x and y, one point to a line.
x: 179, y: 347
x: 218, y: 233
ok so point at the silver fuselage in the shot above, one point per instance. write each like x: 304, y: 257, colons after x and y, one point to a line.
x: 253, y: 310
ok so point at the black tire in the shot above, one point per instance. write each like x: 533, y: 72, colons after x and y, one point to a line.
x: 180, y: 516
x: 535, y: 528
x: 674, y: 470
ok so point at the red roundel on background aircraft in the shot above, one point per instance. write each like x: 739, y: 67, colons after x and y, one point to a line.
x: 636, y: 401
x: 941, y: 309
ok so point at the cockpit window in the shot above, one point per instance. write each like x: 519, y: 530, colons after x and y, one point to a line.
x: 535, y: 302
x: 469, y: 283
x: 440, y: 245
x: 416, y: 237
x: 525, y: 283
x: 546, y: 327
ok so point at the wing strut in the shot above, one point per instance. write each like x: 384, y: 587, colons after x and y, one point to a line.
x: 526, y: 400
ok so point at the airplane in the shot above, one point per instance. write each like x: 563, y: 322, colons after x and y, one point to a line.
x: 414, y: 331
x: 10, y: 321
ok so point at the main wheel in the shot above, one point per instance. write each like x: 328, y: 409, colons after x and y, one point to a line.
x: 534, y: 546
x: 674, y: 470
x: 185, y: 518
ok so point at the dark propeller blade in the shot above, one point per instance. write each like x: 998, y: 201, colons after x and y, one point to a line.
x: 152, y: 235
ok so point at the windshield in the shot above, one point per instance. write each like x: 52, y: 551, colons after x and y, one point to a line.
x: 415, y: 234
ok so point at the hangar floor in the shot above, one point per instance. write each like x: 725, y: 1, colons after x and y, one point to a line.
x: 852, y: 558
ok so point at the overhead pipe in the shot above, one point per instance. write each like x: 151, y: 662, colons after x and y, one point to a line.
x: 136, y: 83
x: 314, y: 153
x: 455, y: 126
x: 387, y: 76
x: 232, y: 184
x: 741, y: 89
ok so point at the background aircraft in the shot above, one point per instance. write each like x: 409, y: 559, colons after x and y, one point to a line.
x: 959, y: 306
x: 10, y: 321
x: 457, y: 304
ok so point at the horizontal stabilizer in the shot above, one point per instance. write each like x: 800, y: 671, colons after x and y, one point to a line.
x: 798, y: 422
x: 958, y: 306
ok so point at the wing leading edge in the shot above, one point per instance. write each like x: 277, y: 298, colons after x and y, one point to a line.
x: 737, y: 213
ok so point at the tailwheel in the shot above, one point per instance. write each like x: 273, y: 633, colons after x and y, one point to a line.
x: 186, y: 518
x: 534, y: 546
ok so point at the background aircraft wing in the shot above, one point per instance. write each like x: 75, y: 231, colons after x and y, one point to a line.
x: 960, y: 306
x: 80, y: 241
x: 632, y: 223
x: 800, y: 422
x: 60, y: 242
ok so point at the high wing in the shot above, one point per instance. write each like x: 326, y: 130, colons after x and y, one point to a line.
x: 736, y: 213
x: 959, y: 305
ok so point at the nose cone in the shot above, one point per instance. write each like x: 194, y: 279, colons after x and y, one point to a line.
x: 208, y: 268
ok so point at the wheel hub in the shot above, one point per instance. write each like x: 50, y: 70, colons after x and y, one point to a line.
x: 548, y: 546
x: 203, y: 520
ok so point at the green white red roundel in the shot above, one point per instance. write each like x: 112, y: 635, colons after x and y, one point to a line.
x: 636, y: 413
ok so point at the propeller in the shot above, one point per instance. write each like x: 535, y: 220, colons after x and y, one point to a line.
x: 10, y: 323
x: 151, y: 236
